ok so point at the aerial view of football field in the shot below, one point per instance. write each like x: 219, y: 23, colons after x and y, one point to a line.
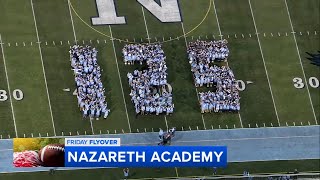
x: 274, y: 55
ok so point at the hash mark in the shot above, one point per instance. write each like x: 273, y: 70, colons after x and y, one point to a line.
x: 123, y: 131
x: 264, y: 34
x: 190, y: 128
x: 271, y: 34
x: 9, y: 136
x: 293, y: 32
x: 156, y: 38
x: 271, y: 124
x: 46, y: 43
x: 315, y: 32
x: 294, y: 123
x: 213, y: 36
x: 100, y: 131
x: 211, y: 127
x: 256, y: 125
x: 24, y: 44
x: 137, y: 130
x: 242, y: 35
x: 82, y: 41
x: 31, y: 43
x: 197, y: 128
x: 301, y: 123
x: 31, y: 134
x: 286, y: 123
x: 78, y: 133
x: 70, y: 133
x: 308, y: 33
x: 249, y: 35
x: 105, y: 41
x: 8, y: 44
x: 145, y: 129
x: 85, y: 132
x: 227, y: 127
x: 16, y: 44
x: 300, y: 33
x: 47, y: 134
x: 264, y: 124
x: 61, y: 42
x: 234, y: 126
x: 228, y: 36
x: 249, y: 125
x: 24, y: 135
x: 39, y: 135
x: 286, y: 34
x: 68, y: 42
x: 235, y: 35
x: 182, y: 128
x: 108, y: 131
x: 309, y: 123
x: 54, y: 43
x: 98, y: 41
x: 1, y: 136
x: 90, y: 41
x: 219, y: 126
x: 115, y: 131
x: 279, y: 34
x: 62, y: 133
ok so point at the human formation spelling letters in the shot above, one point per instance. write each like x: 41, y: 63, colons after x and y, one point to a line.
x: 202, y: 56
x: 150, y: 92
x: 90, y: 90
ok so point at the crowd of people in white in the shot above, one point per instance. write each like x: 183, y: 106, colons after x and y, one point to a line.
x: 90, y: 90
x: 202, y: 56
x: 149, y: 89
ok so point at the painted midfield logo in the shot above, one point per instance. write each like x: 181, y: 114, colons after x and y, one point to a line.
x: 314, y: 58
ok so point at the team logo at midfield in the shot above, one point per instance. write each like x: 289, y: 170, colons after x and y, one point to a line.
x: 164, y: 10
x: 314, y: 58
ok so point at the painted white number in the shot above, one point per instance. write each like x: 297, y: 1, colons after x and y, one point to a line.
x: 298, y: 83
x: 17, y: 94
x: 314, y: 82
x: 241, y: 85
x: 3, y: 95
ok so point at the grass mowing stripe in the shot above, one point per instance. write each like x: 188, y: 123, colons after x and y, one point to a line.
x: 264, y: 63
x: 282, y: 63
x: 44, y: 73
x: 74, y: 32
x: 216, y: 14
x: 116, y: 58
x: 186, y: 43
x: 304, y: 75
x: 9, y: 90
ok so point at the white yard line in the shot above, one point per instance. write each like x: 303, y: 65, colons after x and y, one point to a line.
x: 165, y: 118
x: 7, y: 78
x: 44, y: 73
x: 116, y: 59
x: 91, y: 126
x: 74, y: 32
x: 145, y: 23
x: 220, y: 34
x: 264, y: 63
x: 304, y: 75
x: 185, y: 39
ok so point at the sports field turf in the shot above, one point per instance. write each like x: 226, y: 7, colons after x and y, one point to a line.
x: 151, y: 173
x: 41, y: 70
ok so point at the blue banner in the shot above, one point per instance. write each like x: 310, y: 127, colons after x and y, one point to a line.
x: 146, y: 156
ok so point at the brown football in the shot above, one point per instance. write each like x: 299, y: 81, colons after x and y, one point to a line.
x: 52, y: 155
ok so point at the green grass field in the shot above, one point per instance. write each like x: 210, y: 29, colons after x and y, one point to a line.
x: 271, y: 100
x: 271, y: 61
x: 152, y: 173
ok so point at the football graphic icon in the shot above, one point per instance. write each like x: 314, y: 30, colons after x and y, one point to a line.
x: 52, y: 155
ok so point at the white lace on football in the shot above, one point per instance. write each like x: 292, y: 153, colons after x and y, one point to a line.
x: 56, y: 148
